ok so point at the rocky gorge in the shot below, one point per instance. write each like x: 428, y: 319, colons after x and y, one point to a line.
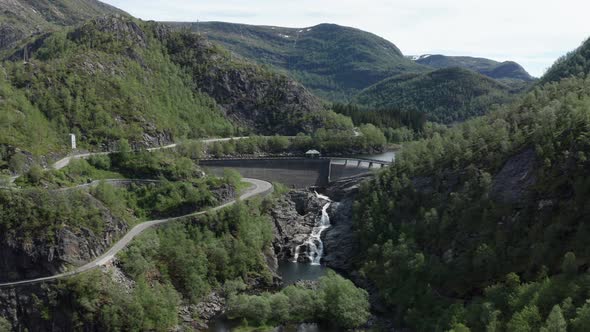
x: 293, y: 215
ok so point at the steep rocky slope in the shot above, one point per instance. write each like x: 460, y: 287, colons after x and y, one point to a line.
x: 252, y: 96
x: 63, y: 229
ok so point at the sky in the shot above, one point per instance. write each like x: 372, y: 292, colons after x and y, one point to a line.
x: 533, y: 33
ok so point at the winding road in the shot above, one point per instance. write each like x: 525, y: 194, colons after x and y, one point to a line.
x: 257, y: 188
x: 66, y: 161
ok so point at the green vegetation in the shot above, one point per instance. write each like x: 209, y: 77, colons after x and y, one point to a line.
x: 335, y: 62
x: 20, y: 19
x: 104, y: 87
x: 95, y: 301
x: 198, y: 257
x: 48, y: 212
x: 180, y: 189
x: 337, y: 301
x: 397, y: 126
x: 505, y: 71
x: 444, y: 95
x: 5, y: 325
x: 21, y: 123
x: 576, y: 63
x: 260, y: 100
x: 369, y: 138
x: 453, y: 243
x: 172, y: 265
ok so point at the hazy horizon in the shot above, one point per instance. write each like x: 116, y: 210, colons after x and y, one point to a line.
x: 532, y: 34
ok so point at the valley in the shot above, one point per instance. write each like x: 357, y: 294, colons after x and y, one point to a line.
x: 163, y: 175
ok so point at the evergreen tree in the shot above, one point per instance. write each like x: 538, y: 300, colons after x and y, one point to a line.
x: 555, y: 322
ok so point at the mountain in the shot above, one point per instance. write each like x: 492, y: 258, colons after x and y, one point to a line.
x: 575, y: 63
x: 333, y: 61
x: 445, y: 95
x: 483, y: 227
x: 507, y: 70
x: 116, y: 77
x: 23, y: 18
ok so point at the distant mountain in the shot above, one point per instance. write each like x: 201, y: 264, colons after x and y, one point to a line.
x: 334, y: 61
x: 22, y: 18
x: 445, y: 95
x: 494, y: 69
x: 575, y: 63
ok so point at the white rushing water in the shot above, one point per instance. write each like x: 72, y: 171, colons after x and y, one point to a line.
x: 314, y: 243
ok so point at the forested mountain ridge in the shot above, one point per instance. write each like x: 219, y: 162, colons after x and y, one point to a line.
x: 575, y: 63
x: 483, y: 227
x: 23, y: 18
x: 498, y: 70
x: 444, y: 95
x: 333, y: 61
x: 106, y: 80
x: 118, y: 78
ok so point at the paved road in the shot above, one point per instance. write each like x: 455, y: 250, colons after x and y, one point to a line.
x: 258, y: 187
x: 66, y: 161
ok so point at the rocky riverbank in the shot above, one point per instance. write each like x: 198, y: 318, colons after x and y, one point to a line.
x: 294, y: 215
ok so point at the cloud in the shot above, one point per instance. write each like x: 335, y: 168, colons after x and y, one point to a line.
x: 531, y: 32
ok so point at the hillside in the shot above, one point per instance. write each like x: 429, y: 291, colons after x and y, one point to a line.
x: 575, y: 63
x: 333, y: 61
x: 116, y: 78
x: 507, y: 70
x: 22, y: 18
x: 483, y: 227
x: 445, y: 95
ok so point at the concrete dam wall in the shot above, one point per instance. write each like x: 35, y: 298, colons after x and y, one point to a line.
x: 295, y: 173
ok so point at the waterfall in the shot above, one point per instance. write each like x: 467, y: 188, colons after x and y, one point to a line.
x: 314, y: 242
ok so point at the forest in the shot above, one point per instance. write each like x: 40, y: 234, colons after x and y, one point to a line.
x: 453, y: 242
x: 445, y: 95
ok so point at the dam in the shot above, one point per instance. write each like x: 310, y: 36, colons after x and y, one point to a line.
x: 295, y: 172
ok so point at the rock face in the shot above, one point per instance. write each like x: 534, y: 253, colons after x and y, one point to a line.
x: 294, y: 216
x: 512, y: 183
x: 340, y: 243
x: 250, y: 95
x: 41, y: 257
x: 206, y: 310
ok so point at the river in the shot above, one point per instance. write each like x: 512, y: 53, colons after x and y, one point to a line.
x: 291, y: 272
